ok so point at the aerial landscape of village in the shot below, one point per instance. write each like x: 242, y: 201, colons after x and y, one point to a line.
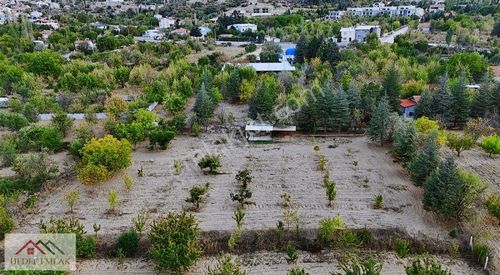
x: 231, y: 137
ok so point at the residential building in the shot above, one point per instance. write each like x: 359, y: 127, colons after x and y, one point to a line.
x: 437, y: 7
x: 424, y: 27
x: 165, y: 23
x: 85, y: 45
x: 47, y: 22
x: 408, y: 106
x: 357, y: 33
x: 154, y: 34
x: 98, y: 26
x: 377, y: 9
x: 243, y: 27
x: 180, y: 32
x: 263, y: 131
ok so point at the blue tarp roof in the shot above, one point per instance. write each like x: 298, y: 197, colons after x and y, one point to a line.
x: 290, y: 51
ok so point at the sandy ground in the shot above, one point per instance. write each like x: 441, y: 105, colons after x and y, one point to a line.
x: 267, y: 263
x: 229, y: 52
x: 277, y: 168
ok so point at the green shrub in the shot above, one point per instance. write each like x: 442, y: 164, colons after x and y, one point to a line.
x: 36, y: 137
x: 86, y: 246
x: 226, y: 266
x: 329, y: 228
x: 75, y: 146
x: 357, y: 266
x: 424, y: 266
x: 493, y: 205
x: 174, y: 242
x: 6, y: 222
x: 250, y: 48
x: 297, y: 271
x: 197, y: 194
x: 13, y: 121
x: 128, y: 242
x: 402, y: 247
x: 212, y: 162
x: 480, y: 252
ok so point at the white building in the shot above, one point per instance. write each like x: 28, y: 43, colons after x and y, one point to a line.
x: 243, y: 27
x: 357, y: 33
x: 166, y: 23
x: 47, y: 22
x: 155, y: 34
x: 377, y: 9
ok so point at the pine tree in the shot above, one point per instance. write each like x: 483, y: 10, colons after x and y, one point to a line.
x: 460, y: 107
x: 425, y: 161
x: 439, y: 184
x: 377, y: 129
x: 392, y: 88
x: 302, y: 49
x: 482, y: 102
x: 442, y: 101
x: 325, y: 107
x: 307, y: 118
x: 232, y: 87
x: 262, y: 102
x: 340, y: 113
x: 405, y: 140
x: 329, y: 52
x: 204, y: 106
x: 424, y: 106
x: 451, y: 191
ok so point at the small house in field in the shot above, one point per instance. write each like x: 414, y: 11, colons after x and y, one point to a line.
x: 407, y: 106
x: 262, y: 131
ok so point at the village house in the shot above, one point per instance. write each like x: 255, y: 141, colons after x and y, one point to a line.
x: 243, y: 27
x: 357, y: 33
x: 85, y: 45
x: 408, y: 106
x: 377, y: 9
x: 263, y: 131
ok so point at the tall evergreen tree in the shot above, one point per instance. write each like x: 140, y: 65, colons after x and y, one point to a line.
x: 377, y: 129
x: 204, y: 105
x: 262, y: 101
x: 325, y: 107
x: 482, y: 102
x: 425, y: 161
x: 340, y: 111
x: 442, y: 100
x: 392, y: 88
x: 232, y: 87
x: 307, y: 118
x: 405, y: 140
x: 329, y: 52
x: 440, y: 182
x: 301, y: 52
x: 460, y: 107
x: 424, y: 106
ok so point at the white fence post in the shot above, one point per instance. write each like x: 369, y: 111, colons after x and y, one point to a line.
x: 470, y: 243
x: 486, y: 263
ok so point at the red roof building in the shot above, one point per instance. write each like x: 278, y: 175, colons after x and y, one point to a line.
x: 408, y: 106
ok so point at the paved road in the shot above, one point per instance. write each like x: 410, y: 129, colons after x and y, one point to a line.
x: 389, y: 39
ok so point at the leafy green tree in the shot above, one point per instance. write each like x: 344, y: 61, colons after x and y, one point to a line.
x: 379, y: 121
x: 493, y: 205
x: 91, y: 174
x: 62, y: 122
x: 174, y: 243
x: 262, y: 102
x: 161, y: 136
x: 491, y: 145
x: 115, y: 105
x: 133, y: 132
x: 470, y: 62
x: 7, y: 224
x: 232, y: 87
x: 107, y: 43
x: 425, y: 161
x: 122, y: 75
x: 459, y: 143
x: 425, y: 266
x: 329, y: 52
x: 405, y: 140
x: 392, y: 87
x: 204, y: 106
x: 13, y: 121
x: 451, y: 191
x: 197, y: 193
x: 45, y: 63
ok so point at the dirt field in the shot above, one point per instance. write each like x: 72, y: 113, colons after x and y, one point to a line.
x: 289, y: 166
x: 268, y: 263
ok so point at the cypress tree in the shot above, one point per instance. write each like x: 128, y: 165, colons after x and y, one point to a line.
x: 392, y: 88
x: 441, y: 181
x: 424, y: 106
x: 302, y: 49
x: 460, y: 107
x: 405, y: 140
x: 425, y: 161
x: 377, y: 129
x: 204, y: 105
x: 442, y: 101
x: 340, y: 111
x: 307, y: 118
